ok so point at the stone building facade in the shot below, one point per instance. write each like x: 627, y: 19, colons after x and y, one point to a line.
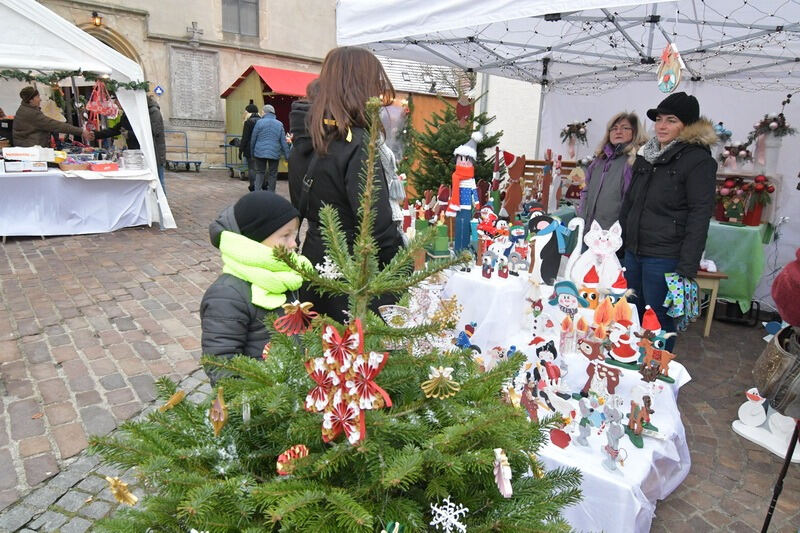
x: 195, y: 49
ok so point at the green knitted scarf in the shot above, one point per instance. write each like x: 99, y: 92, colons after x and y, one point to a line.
x: 255, y: 263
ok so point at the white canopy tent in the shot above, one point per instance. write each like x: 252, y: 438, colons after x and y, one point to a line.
x: 594, y: 58
x: 36, y: 39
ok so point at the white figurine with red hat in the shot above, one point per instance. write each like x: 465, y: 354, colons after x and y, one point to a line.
x: 601, y: 254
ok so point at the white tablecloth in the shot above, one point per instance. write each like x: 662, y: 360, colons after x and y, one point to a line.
x: 55, y: 203
x: 624, y: 501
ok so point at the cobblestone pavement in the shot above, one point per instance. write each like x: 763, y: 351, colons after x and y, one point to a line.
x: 88, y: 322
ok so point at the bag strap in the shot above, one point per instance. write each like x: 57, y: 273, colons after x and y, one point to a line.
x: 305, y: 191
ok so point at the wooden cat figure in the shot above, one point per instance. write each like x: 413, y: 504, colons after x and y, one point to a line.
x: 602, y: 253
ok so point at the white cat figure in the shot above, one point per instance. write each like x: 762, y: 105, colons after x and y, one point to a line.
x: 602, y: 254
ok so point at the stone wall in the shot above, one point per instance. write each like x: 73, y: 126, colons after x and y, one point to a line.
x: 292, y: 35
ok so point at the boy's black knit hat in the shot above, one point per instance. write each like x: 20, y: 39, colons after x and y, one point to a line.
x: 259, y: 214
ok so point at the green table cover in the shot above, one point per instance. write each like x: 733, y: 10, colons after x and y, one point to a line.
x: 738, y: 252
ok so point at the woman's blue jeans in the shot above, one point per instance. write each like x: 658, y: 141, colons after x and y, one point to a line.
x: 645, y: 275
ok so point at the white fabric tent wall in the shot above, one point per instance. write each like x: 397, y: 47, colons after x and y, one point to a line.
x: 52, y: 43
x: 738, y: 110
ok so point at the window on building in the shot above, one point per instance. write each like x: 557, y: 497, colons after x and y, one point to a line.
x: 240, y: 16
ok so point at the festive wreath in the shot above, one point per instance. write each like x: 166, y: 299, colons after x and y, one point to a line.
x: 576, y: 130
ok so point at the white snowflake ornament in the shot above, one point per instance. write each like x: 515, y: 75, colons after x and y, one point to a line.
x: 328, y: 269
x: 447, y: 516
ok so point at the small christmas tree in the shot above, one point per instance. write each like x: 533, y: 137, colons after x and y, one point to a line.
x: 416, y: 444
x: 443, y: 134
x: 405, y: 164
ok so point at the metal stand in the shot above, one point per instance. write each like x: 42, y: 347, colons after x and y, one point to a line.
x: 779, y: 484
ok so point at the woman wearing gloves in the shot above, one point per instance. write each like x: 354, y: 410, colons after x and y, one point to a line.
x: 667, y: 209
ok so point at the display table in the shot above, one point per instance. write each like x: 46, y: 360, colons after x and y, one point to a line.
x: 739, y: 252
x: 74, y: 203
x: 624, y: 500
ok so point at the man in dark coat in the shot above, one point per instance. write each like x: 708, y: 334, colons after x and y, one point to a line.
x: 32, y: 127
x: 159, y: 140
x: 244, y: 144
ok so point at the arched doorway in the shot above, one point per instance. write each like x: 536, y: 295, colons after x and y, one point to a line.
x: 114, y: 40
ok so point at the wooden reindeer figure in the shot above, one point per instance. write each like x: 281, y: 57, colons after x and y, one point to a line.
x: 639, y: 420
x: 654, y: 352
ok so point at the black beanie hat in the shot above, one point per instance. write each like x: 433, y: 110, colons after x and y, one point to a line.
x: 259, y: 214
x: 682, y: 105
x: 251, y: 107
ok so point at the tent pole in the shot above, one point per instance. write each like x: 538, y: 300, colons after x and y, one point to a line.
x: 75, y: 100
x: 539, y: 123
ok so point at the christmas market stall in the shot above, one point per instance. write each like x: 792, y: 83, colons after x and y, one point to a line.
x: 83, y: 194
x: 587, y: 358
x: 595, y: 58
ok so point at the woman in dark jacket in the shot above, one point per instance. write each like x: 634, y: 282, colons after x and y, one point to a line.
x: 336, y: 124
x: 666, y: 212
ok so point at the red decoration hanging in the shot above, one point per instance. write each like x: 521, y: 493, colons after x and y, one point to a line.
x: 345, y: 383
x: 285, y: 464
x: 99, y: 104
x: 296, y: 318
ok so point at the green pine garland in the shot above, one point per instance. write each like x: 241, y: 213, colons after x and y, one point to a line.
x: 54, y: 77
x: 417, y: 452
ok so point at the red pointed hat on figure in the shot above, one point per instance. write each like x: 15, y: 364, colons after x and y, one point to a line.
x: 508, y: 158
x: 650, y: 320
x: 621, y: 284
x: 591, y: 277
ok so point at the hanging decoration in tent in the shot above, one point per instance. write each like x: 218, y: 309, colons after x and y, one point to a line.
x: 669, y: 71
x: 99, y: 104
x: 572, y: 132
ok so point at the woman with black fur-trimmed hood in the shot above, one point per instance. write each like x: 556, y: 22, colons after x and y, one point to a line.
x: 668, y: 207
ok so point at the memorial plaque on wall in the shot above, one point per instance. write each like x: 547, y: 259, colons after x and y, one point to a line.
x: 194, y: 80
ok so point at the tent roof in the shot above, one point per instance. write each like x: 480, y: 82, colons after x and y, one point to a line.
x: 585, y: 46
x: 280, y: 81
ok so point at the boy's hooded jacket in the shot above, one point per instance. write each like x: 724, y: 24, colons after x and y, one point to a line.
x: 253, y: 284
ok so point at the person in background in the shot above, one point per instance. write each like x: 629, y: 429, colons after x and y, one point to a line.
x: 159, y: 139
x: 122, y: 127
x: 267, y: 144
x: 302, y: 147
x: 244, y: 144
x: 337, y: 126
x: 253, y: 282
x: 667, y: 209
x: 33, y: 128
x: 609, y: 175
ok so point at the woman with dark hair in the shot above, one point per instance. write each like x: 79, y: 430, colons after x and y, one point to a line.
x: 609, y: 175
x: 666, y: 212
x: 337, y: 124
